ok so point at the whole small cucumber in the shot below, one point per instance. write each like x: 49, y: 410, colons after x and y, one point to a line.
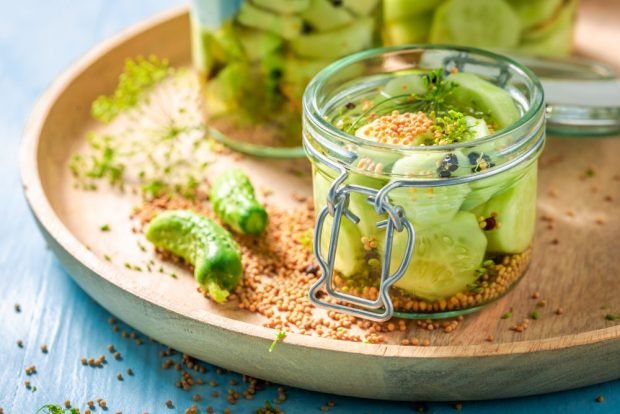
x: 235, y: 203
x: 216, y: 257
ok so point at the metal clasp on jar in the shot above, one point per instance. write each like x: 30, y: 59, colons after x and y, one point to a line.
x: 381, y: 308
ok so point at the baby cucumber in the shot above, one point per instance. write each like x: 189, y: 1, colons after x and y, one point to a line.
x: 216, y: 257
x: 471, y: 92
x: 515, y: 211
x: 360, y: 7
x: 481, y: 23
x: 445, y: 258
x: 234, y: 201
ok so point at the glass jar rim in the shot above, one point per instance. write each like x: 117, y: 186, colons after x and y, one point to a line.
x: 312, y: 111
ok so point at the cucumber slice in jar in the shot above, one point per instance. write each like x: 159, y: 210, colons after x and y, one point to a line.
x: 284, y: 25
x: 283, y: 6
x: 481, y: 23
x: 515, y: 211
x: 336, y: 43
x: 323, y: 15
x: 554, y: 38
x: 350, y: 251
x: 404, y: 9
x: 414, y: 29
x: 411, y: 83
x: 360, y: 8
x: 445, y: 257
x: 433, y: 205
x: 535, y: 12
x: 474, y: 93
x: 258, y: 43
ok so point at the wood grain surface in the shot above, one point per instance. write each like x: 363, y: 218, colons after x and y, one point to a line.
x: 578, y: 273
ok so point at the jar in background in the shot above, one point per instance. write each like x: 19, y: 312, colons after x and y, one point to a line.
x: 534, y: 27
x: 256, y: 57
x: 421, y: 231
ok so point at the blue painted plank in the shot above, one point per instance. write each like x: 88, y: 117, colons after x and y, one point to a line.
x: 37, y: 40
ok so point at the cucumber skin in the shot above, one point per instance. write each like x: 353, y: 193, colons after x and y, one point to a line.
x: 234, y: 202
x: 216, y: 257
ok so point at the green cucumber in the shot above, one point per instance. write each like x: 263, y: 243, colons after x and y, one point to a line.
x: 228, y: 89
x: 286, y: 26
x: 554, y: 38
x: 405, y: 9
x: 515, y: 211
x: 234, y: 202
x: 350, y: 252
x: 471, y: 92
x: 481, y: 23
x: 445, y: 258
x: 361, y: 8
x: 336, y: 43
x: 414, y: 29
x: 216, y: 257
x: 258, y: 43
x: 359, y: 205
x: 283, y: 6
x: 228, y: 42
x: 408, y: 83
x: 535, y: 12
x: 202, y: 42
x: 434, y: 205
x: 323, y: 15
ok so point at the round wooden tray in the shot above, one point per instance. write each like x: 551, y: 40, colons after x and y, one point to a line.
x: 578, y: 273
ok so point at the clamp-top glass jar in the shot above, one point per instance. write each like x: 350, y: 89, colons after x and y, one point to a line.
x: 425, y: 174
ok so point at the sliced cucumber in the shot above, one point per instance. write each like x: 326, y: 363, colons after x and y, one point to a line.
x: 410, y: 83
x: 478, y: 126
x: 482, y: 190
x: 554, y: 37
x: 404, y: 9
x: 203, y: 56
x: 228, y: 42
x: 445, y: 257
x: 350, y: 251
x: 336, y: 43
x: 286, y: 26
x: 471, y: 92
x: 535, y: 12
x: 225, y: 92
x: 296, y: 75
x: 323, y: 15
x: 283, y: 6
x: 482, y: 23
x: 434, y: 205
x: 359, y: 205
x: 361, y: 8
x: 515, y: 210
x: 258, y: 43
x: 414, y: 29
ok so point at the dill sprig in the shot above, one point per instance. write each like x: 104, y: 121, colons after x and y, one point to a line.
x: 56, y: 409
x: 279, y: 338
x: 163, y: 149
x: 138, y: 76
x: 434, y: 100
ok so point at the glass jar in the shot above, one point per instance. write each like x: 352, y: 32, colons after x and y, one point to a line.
x: 256, y: 57
x: 533, y: 27
x: 398, y: 236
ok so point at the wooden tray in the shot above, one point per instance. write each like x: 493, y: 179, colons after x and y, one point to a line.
x: 580, y: 273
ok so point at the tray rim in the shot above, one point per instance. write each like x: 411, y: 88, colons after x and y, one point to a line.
x: 53, y: 225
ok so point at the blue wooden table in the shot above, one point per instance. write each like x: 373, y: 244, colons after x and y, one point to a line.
x: 38, y: 39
